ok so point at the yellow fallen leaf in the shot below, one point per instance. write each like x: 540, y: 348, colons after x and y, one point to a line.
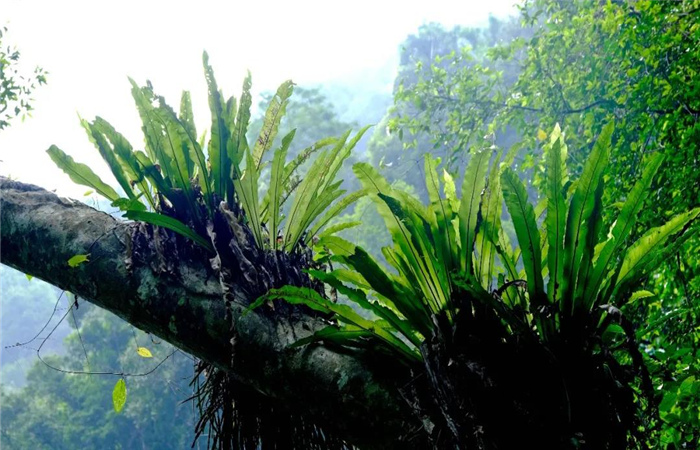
x: 144, y: 352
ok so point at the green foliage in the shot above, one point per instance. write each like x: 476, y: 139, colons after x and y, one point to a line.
x: 433, y: 283
x: 434, y: 242
x: 174, y: 185
x: 584, y: 64
x: 16, y: 88
x: 581, y: 64
x: 318, y: 191
x: 429, y: 60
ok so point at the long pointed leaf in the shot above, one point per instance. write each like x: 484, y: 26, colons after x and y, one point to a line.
x: 644, y: 254
x: 152, y: 131
x: 108, y: 155
x: 580, y: 209
x: 276, y: 188
x: 186, y: 117
x: 472, y: 187
x: 218, y: 158
x: 623, y: 225
x: 271, y: 122
x: 487, y: 236
x: 238, y: 143
x: 523, y: 216
x: 247, y: 191
x: 80, y: 173
x: 556, y: 218
x: 126, y: 157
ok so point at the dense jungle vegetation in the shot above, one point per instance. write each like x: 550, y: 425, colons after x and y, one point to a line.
x: 517, y: 235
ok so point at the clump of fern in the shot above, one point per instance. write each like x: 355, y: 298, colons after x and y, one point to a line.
x: 206, y: 188
x: 524, y: 344
x: 180, y: 180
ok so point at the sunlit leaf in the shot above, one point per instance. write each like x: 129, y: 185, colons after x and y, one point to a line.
x: 623, y: 225
x: 77, y: 260
x: 646, y: 253
x: 119, y: 395
x: 144, y: 352
x: 640, y: 294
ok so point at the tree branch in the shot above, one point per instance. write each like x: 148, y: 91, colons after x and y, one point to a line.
x: 129, y: 274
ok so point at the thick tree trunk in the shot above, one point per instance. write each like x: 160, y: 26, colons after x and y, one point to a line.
x: 183, y: 304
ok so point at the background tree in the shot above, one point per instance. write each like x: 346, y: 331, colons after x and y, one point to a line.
x: 60, y: 410
x: 428, y: 60
x: 16, y: 84
x: 311, y: 112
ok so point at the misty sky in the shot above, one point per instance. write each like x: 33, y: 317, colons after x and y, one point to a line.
x: 89, y: 49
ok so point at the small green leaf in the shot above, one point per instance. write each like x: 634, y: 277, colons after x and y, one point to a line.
x: 77, y: 260
x: 640, y: 294
x: 87, y: 193
x: 119, y: 395
x: 144, y: 352
x: 29, y: 277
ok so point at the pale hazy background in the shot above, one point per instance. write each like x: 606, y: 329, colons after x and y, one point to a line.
x: 90, y: 47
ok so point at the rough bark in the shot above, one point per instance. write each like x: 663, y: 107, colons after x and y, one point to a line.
x: 182, y: 303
